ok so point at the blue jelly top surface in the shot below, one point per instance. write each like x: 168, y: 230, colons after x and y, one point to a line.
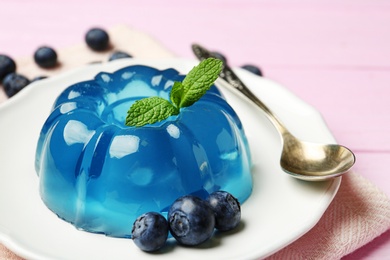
x: 99, y: 174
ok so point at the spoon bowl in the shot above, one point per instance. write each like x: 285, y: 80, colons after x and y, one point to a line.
x: 303, y: 160
x: 314, y: 161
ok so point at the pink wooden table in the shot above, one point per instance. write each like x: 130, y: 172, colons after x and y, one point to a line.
x: 335, y: 55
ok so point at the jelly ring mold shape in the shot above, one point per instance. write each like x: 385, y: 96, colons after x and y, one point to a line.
x: 100, y: 175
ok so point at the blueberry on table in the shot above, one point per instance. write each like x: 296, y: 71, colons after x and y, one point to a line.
x: 150, y: 231
x: 37, y: 78
x: 97, y: 39
x: 227, y: 210
x: 45, y: 57
x: 119, y: 55
x: 254, y: 69
x: 13, y: 83
x: 191, y: 220
x: 7, y: 66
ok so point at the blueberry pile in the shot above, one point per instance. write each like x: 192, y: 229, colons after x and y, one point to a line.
x: 150, y: 231
x: 46, y: 57
x: 227, y: 210
x: 191, y: 221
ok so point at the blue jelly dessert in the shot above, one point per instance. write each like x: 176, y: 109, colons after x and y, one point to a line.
x: 100, y: 175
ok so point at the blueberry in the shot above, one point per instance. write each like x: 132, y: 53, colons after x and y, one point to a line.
x: 7, y: 66
x: 227, y: 210
x: 191, y: 220
x: 219, y: 56
x: 251, y: 68
x: 119, y: 55
x: 37, y: 78
x: 97, y: 39
x: 150, y: 231
x: 45, y: 57
x: 13, y: 83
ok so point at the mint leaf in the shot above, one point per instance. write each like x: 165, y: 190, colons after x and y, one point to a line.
x: 150, y: 110
x: 183, y: 94
x: 176, y: 93
x: 199, y: 80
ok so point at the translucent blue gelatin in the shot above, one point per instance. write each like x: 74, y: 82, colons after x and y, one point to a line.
x: 100, y: 175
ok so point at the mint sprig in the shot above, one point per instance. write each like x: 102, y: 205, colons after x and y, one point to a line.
x: 183, y: 94
x: 150, y: 110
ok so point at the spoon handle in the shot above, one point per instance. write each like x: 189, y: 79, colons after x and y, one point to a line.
x: 230, y: 79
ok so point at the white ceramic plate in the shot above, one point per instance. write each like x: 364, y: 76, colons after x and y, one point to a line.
x: 280, y: 210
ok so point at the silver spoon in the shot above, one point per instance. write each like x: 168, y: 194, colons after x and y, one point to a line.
x: 303, y: 160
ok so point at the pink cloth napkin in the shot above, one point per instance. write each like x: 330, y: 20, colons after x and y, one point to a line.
x: 359, y: 213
